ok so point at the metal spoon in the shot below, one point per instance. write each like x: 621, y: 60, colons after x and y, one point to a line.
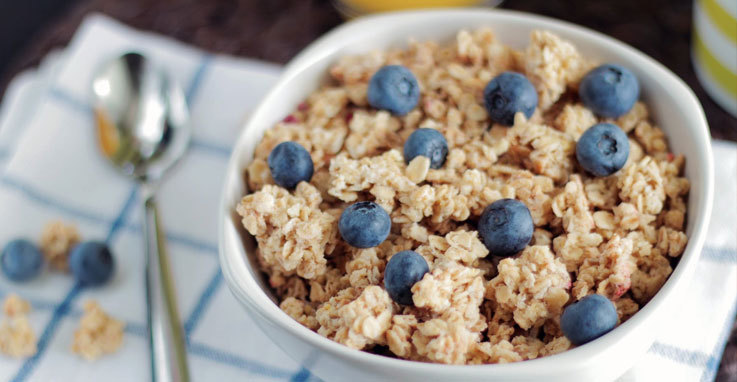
x: 143, y: 129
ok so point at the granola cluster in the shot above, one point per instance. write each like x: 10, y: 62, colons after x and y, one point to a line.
x: 618, y: 236
x: 17, y: 338
x: 57, y: 240
x: 98, y: 333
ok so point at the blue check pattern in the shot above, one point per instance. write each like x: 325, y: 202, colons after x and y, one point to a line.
x: 61, y: 310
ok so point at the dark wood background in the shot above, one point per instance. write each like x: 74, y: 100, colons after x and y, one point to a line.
x: 275, y: 30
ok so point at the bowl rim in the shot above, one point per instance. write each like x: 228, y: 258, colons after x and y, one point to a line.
x: 263, y: 306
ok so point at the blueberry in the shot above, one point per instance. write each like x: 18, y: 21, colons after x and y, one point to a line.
x: 590, y: 318
x: 506, y: 227
x: 602, y: 149
x: 364, y: 224
x: 91, y: 263
x: 21, y: 260
x: 508, y: 93
x: 609, y: 90
x: 394, y: 88
x: 429, y: 143
x: 402, y: 271
x: 290, y: 164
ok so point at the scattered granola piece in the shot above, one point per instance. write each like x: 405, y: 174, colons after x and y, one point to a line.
x: 17, y: 338
x: 57, y: 239
x: 14, y: 306
x: 98, y: 333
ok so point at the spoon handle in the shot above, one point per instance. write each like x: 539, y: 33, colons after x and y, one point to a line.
x: 168, y: 351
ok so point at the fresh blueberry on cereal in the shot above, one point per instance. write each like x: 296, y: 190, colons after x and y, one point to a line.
x: 21, y: 260
x: 609, y: 90
x: 506, y: 227
x: 507, y: 94
x: 402, y: 271
x: 429, y: 143
x: 364, y: 224
x: 588, y: 319
x: 394, y: 88
x: 91, y: 263
x: 602, y: 149
x: 290, y: 164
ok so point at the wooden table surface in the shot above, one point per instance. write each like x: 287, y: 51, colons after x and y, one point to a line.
x: 276, y: 30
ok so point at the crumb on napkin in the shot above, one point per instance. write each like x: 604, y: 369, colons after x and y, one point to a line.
x: 17, y: 338
x: 57, y: 240
x: 98, y: 333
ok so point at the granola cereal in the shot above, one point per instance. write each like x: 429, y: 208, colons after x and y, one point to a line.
x: 532, y: 287
x: 291, y: 230
x: 98, y: 333
x: 618, y: 236
x: 17, y: 338
x: 356, y: 319
x: 57, y: 239
x: 14, y: 306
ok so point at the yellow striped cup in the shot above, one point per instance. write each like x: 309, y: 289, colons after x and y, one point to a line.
x: 714, y: 50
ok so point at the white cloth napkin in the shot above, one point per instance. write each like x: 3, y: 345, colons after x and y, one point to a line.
x: 50, y: 169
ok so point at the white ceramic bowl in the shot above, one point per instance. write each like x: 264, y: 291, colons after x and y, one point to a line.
x: 674, y: 108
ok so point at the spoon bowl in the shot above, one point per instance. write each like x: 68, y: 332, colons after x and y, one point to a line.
x: 142, y: 117
x: 143, y: 130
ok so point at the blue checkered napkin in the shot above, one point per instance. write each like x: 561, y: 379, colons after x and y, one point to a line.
x: 50, y: 169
